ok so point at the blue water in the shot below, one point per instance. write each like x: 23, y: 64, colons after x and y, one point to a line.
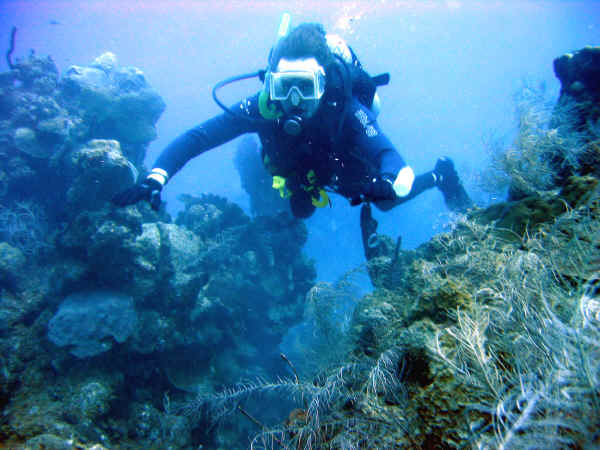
x: 454, y: 68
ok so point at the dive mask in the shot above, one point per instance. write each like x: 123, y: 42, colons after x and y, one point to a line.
x: 296, y: 81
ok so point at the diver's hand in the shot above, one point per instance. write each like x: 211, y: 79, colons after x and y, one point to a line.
x: 447, y: 181
x: 148, y: 190
x: 380, y: 188
x: 445, y: 174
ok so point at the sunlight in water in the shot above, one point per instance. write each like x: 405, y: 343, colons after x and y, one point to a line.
x: 350, y: 15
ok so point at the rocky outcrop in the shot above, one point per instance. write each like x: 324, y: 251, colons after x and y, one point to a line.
x: 86, y: 321
x: 122, y: 305
x: 115, y: 101
x: 579, y: 76
x: 577, y: 113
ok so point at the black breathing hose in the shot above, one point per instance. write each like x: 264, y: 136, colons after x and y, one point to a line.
x: 258, y: 74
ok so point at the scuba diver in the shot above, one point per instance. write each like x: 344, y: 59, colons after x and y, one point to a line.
x: 316, y: 120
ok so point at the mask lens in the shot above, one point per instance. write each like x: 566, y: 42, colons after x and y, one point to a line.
x: 320, y: 84
x: 283, y: 83
x: 306, y: 87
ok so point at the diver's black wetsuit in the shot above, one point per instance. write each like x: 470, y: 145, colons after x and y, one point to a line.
x: 346, y: 162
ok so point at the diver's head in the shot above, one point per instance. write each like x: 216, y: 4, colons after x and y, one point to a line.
x: 297, y: 76
x: 307, y: 40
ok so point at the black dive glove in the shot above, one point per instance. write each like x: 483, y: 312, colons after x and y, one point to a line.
x: 447, y: 181
x: 378, y: 189
x: 148, y: 190
x: 381, y: 188
x: 445, y: 174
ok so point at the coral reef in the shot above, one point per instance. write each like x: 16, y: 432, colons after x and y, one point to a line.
x: 122, y: 307
x: 577, y: 113
x: 85, y: 320
x: 486, y: 336
x: 482, y: 337
x: 555, y: 139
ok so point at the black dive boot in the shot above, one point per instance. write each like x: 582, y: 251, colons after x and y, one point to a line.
x: 447, y: 181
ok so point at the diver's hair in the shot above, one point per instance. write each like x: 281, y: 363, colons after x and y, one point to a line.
x: 305, y: 41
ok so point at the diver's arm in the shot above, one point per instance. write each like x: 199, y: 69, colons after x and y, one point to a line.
x: 405, y: 183
x: 395, y: 181
x: 393, y: 178
x: 208, y: 135
x: 379, y: 152
x: 445, y: 178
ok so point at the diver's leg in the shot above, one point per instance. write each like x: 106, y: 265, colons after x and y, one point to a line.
x: 422, y: 183
x: 456, y: 198
x: 301, y: 204
x: 446, y: 179
x: 368, y: 229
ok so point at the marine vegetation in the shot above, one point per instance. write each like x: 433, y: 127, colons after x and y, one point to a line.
x: 484, y: 338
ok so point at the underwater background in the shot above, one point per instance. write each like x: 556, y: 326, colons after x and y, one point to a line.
x: 126, y: 328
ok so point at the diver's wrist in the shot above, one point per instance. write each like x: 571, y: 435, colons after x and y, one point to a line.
x: 159, y: 175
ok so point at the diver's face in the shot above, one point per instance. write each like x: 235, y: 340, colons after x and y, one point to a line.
x: 305, y: 108
x: 299, y: 85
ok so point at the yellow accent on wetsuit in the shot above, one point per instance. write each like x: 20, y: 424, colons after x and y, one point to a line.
x: 323, y: 199
x: 279, y: 184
